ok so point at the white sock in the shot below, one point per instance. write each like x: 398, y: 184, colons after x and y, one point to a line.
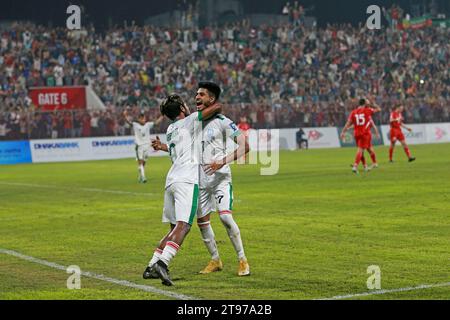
x: 156, y: 257
x: 169, y: 252
x: 208, y: 238
x: 142, y: 171
x: 234, y: 234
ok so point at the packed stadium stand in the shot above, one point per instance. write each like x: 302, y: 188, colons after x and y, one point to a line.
x: 282, y: 76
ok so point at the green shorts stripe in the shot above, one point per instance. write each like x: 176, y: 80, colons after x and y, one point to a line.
x: 194, y: 204
x: 231, y: 197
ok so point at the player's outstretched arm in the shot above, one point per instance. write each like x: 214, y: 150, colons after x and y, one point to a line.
x: 347, y: 126
x: 159, y: 120
x: 376, y: 108
x: 242, y: 149
x: 377, y: 133
x: 158, y: 145
x: 407, y: 128
x: 127, y: 118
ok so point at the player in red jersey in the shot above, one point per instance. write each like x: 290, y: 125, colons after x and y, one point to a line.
x: 361, y: 120
x: 396, y: 134
x: 371, y: 150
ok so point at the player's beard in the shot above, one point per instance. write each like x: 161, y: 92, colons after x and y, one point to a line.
x: 199, y: 104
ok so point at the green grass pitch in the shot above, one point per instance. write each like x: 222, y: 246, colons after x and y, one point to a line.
x: 309, y: 232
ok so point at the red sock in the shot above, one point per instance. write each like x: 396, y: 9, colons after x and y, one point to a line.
x: 363, y: 160
x: 391, y: 152
x: 359, y: 155
x: 373, y: 157
x: 408, y: 153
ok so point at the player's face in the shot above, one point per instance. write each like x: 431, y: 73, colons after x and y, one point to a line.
x: 141, y: 120
x: 400, y: 109
x: 203, y: 99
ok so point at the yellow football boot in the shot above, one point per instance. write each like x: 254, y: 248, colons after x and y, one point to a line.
x: 213, y: 266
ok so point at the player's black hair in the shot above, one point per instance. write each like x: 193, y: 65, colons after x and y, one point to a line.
x: 212, y: 88
x: 171, y: 106
x: 362, y: 102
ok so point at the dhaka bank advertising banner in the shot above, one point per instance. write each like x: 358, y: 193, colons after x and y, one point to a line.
x: 60, y: 98
x: 85, y: 149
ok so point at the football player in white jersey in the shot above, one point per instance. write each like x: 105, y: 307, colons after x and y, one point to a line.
x: 216, y: 189
x: 141, y: 129
x: 181, y: 190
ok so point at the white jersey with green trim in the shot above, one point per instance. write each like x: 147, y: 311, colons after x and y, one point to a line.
x: 183, y: 143
x: 142, y: 133
x: 218, y: 133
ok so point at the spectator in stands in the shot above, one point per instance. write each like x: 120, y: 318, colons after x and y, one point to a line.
x: 139, y: 66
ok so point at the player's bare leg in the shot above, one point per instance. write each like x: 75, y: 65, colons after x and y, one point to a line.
x: 364, y: 163
x: 359, y: 155
x: 391, y: 151
x: 170, y: 246
x: 149, y: 273
x: 373, y: 157
x: 407, y: 151
x: 235, y: 236
x: 208, y: 237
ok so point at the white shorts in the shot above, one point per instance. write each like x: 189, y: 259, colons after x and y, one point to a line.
x: 218, y: 198
x: 143, y: 152
x: 180, y: 203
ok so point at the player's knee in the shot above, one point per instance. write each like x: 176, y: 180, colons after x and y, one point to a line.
x: 226, y: 219
x: 182, y: 228
x: 203, y: 219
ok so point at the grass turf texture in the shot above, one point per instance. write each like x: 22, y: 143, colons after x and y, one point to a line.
x: 309, y: 232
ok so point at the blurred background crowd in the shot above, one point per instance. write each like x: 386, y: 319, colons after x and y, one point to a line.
x: 283, y: 76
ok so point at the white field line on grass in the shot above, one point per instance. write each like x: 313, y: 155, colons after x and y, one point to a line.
x: 31, y: 185
x: 420, y: 287
x: 84, y: 213
x: 100, y: 277
x: 151, y: 289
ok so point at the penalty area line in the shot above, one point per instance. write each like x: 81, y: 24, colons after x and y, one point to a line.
x: 100, y: 277
x: 377, y: 292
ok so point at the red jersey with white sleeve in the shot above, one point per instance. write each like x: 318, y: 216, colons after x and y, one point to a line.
x: 361, y: 120
x: 396, y: 120
x: 396, y: 128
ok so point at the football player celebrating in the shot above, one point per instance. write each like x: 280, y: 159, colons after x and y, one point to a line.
x: 216, y: 190
x: 181, y: 190
x: 396, y: 134
x: 361, y: 120
x: 142, y: 141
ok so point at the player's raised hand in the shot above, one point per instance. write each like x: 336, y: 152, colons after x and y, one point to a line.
x: 156, y: 144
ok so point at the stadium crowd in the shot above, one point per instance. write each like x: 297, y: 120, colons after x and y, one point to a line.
x: 272, y: 76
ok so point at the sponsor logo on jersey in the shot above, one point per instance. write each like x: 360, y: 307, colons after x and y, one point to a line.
x: 209, y: 134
